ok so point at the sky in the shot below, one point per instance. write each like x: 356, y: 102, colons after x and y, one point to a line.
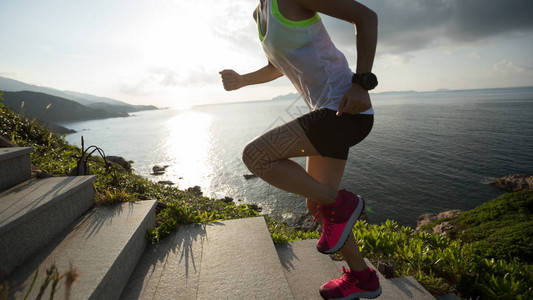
x: 169, y: 52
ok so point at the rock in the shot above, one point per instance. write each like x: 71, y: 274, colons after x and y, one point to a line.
x: 386, y: 268
x: 427, y: 218
x: 449, y: 214
x: 443, y: 228
x: 196, y: 190
x: 166, y: 182
x: 120, y: 161
x: 159, y: 170
x: 256, y: 207
x: 226, y: 199
x: 514, y: 183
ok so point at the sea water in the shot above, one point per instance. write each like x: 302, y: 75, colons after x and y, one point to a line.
x: 427, y: 152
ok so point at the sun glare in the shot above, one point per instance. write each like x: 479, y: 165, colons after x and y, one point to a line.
x: 187, y: 147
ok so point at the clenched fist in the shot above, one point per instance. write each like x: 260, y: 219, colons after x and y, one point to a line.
x: 231, y: 80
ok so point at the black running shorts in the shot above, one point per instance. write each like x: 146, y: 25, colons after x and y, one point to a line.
x: 331, y: 135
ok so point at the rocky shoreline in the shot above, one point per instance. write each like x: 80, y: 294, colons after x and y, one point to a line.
x: 509, y: 183
x: 514, y: 183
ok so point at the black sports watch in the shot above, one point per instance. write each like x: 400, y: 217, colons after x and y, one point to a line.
x: 368, y: 80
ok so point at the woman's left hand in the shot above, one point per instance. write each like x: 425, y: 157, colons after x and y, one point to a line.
x: 355, y: 100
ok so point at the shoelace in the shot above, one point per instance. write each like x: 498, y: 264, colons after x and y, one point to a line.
x: 316, y: 216
x: 326, y: 213
x: 347, y: 280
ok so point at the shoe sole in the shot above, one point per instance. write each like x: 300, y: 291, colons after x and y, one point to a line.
x: 366, y: 295
x: 351, y: 222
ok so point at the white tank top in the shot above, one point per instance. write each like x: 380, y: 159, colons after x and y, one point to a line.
x: 304, y: 52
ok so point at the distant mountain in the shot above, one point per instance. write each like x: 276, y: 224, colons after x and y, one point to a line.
x: 10, y: 85
x: 289, y: 96
x: 60, y: 109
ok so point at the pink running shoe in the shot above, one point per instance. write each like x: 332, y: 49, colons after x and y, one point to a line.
x: 338, y: 220
x: 350, y: 286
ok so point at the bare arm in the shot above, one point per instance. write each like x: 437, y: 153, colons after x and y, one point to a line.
x: 365, y: 20
x: 233, y: 81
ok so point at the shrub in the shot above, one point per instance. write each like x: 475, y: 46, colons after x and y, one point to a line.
x: 444, y: 265
x: 502, y: 228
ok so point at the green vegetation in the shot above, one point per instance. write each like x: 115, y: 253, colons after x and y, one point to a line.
x: 282, y: 233
x: 487, y: 255
x: 444, y: 265
x: 501, y: 228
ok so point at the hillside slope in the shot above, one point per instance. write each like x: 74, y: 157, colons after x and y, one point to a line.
x: 60, y: 109
x: 11, y: 85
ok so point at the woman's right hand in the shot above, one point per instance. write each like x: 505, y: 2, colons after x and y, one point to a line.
x: 231, y: 80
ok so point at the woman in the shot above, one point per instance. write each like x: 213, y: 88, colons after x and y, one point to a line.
x: 297, y: 45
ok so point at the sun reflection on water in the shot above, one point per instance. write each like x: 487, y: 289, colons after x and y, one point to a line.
x: 187, y: 148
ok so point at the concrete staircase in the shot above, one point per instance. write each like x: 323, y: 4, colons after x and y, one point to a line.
x: 237, y: 259
x: 53, y: 220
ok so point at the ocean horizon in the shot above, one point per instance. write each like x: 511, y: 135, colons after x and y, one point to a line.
x: 427, y: 152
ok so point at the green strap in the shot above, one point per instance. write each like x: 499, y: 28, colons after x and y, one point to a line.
x: 290, y: 23
x: 261, y: 36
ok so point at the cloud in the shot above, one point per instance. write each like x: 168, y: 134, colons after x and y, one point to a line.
x: 196, y: 76
x: 508, y: 66
x: 407, y: 25
x: 157, y: 78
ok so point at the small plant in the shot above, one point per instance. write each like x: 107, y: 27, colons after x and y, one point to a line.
x: 54, y: 277
x: 114, y: 195
x: 71, y: 277
x: 282, y: 233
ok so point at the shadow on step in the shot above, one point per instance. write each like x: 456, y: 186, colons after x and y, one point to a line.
x: 287, y: 256
x: 82, y: 244
x: 170, y: 268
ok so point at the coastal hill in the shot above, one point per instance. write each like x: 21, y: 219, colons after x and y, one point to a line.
x: 62, y: 106
x: 60, y: 109
x: 95, y: 102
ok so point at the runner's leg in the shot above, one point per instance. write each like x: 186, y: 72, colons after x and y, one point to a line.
x: 329, y: 172
x: 267, y: 157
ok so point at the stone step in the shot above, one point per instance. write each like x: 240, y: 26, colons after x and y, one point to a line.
x: 35, y: 211
x: 104, y: 245
x: 306, y: 269
x: 233, y: 259
x: 15, y: 166
x: 412, y: 288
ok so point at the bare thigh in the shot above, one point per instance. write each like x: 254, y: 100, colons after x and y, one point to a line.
x: 327, y: 171
x: 286, y: 141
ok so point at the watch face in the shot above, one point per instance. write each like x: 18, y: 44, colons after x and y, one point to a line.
x: 370, y: 81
